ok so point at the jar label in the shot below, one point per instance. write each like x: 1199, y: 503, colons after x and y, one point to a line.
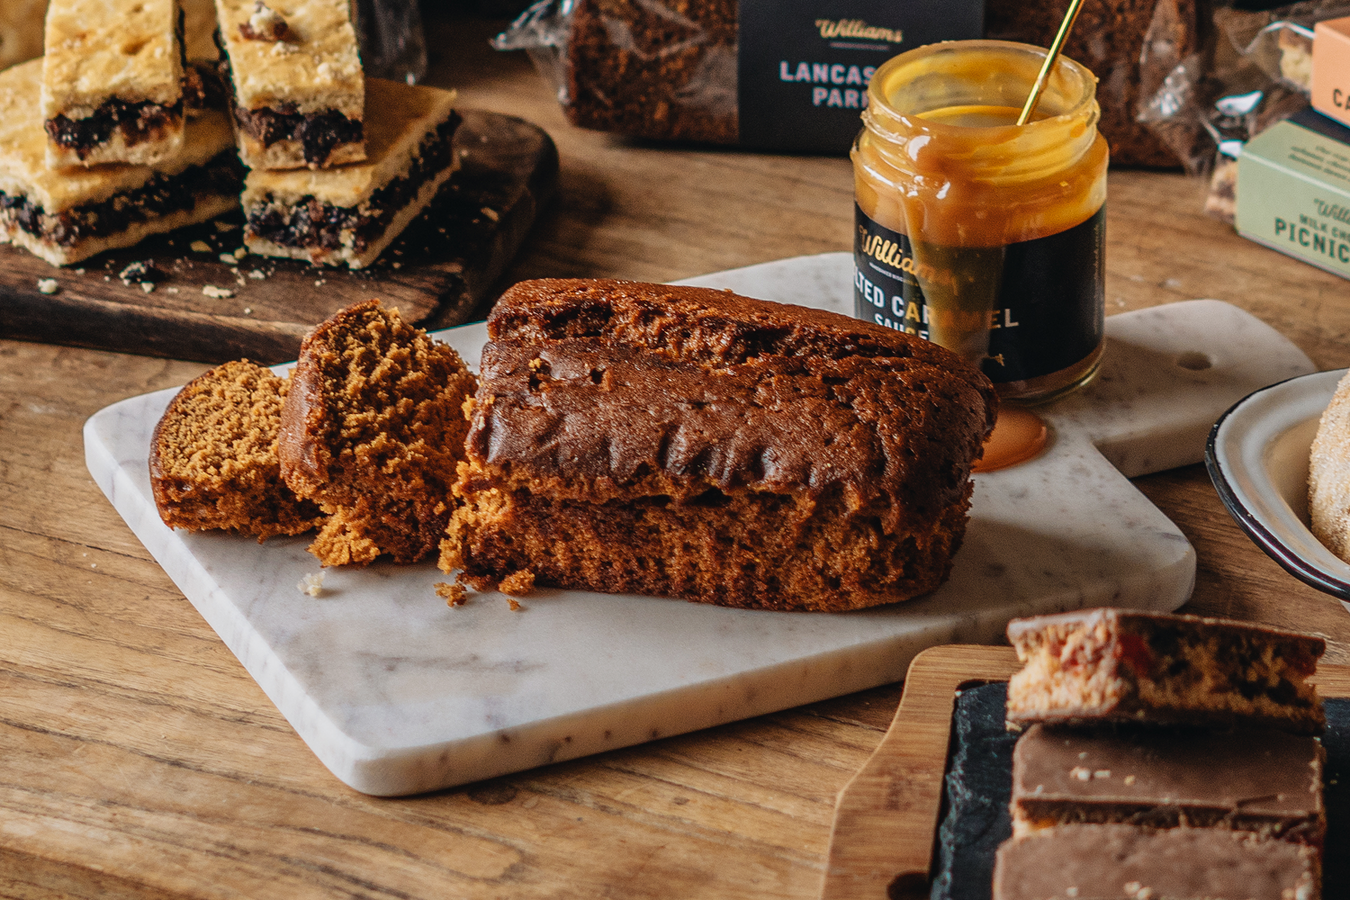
x: 1039, y: 304
x: 802, y: 66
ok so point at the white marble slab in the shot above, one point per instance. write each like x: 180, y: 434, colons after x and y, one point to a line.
x: 397, y: 693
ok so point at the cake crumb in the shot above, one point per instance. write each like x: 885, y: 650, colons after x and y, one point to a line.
x: 148, y: 286
x: 513, y: 603
x: 453, y: 592
x: 311, y: 584
x: 217, y: 293
x: 228, y: 259
x: 48, y: 285
x: 257, y: 275
x: 199, y: 247
x: 1129, y: 779
x: 1081, y: 773
x: 224, y: 226
x: 518, y: 583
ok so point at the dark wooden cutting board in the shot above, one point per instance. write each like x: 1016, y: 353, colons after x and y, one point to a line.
x: 438, y: 272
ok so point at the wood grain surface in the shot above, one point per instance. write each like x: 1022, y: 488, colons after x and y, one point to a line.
x: 208, y: 305
x: 140, y: 760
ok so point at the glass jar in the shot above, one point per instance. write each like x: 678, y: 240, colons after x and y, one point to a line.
x: 979, y: 234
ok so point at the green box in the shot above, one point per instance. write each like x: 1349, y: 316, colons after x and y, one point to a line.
x: 1293, y: 191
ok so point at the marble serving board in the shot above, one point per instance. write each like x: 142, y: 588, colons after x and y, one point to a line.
x: 397, y: 693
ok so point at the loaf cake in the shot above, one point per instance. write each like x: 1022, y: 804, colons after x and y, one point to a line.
x: 213, y: 456
x: 112, y: 81
x: 1121, y: 862
x: 371, y: 431
x: 296, y: 85
x: 687, y: 442
x: 654, y: 70
x: 348, y: 215
x: 1105, y: 665
x: 1329, y: 474
x: 1252, y: 779
x: 65, y: 216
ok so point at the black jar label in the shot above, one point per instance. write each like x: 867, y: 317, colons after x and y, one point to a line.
x: 803, y: 65
x: 1024, y: 310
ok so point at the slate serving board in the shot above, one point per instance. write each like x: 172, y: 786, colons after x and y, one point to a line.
x: 437, y: 272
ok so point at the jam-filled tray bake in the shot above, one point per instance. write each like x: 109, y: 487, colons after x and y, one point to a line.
x: 68, y: 215
x: 350, y: 214
x: 199, y: 294
x: 111, y: 82
x: 296, y: 84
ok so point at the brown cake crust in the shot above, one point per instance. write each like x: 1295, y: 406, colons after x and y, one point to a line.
x: 688, y: 442
x: 372, y: 430
x: 213, y: 456
x: 1109, y: 664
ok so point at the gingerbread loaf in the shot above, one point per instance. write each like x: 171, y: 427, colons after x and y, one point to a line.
x: 371, y: 431
x: 687, y: 442
x: 213, y: 456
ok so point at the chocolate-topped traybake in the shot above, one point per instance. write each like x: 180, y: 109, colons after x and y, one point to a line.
x: 112, y: 82
x: 350, y: 214
x: 1248, y: 779
x: 1121, y: 665
x: 688, y: 442
x: 1122, y: 862
x: 296, y: 84
x: 67, y: 215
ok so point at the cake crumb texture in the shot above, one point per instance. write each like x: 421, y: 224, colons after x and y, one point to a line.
x: 214, y: 461
x: 372, y: 431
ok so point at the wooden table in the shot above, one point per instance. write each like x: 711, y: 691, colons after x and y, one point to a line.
x: 138, y: 759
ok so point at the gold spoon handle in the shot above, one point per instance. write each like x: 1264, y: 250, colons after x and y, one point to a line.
x: 1064, y: 27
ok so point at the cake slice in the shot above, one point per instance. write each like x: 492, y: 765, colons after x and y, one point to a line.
x: 296, y: 85
x: 687, y: 442
x: 350, y: 214
x: 111, y: 82
x: 65, y: 216
x: 1121, y: 862
x: 372, y: 430
x: 1250, y: 779
x: 1107, y: 664
x: 213, y: 456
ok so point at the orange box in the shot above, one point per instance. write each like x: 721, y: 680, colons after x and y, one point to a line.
x: 1331, y: 69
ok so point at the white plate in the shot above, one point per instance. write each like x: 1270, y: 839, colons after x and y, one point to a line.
x: 1257, y: 456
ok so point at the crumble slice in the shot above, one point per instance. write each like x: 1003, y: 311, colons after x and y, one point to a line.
x: 67, y: 215
x: 296, y: 86
x: 112, y: 82
x: 348, y: 215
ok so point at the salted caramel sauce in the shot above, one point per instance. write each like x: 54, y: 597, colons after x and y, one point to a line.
x: 1019, y: 435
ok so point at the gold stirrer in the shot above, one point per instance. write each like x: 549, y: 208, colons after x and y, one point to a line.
x: 1064, y: 27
